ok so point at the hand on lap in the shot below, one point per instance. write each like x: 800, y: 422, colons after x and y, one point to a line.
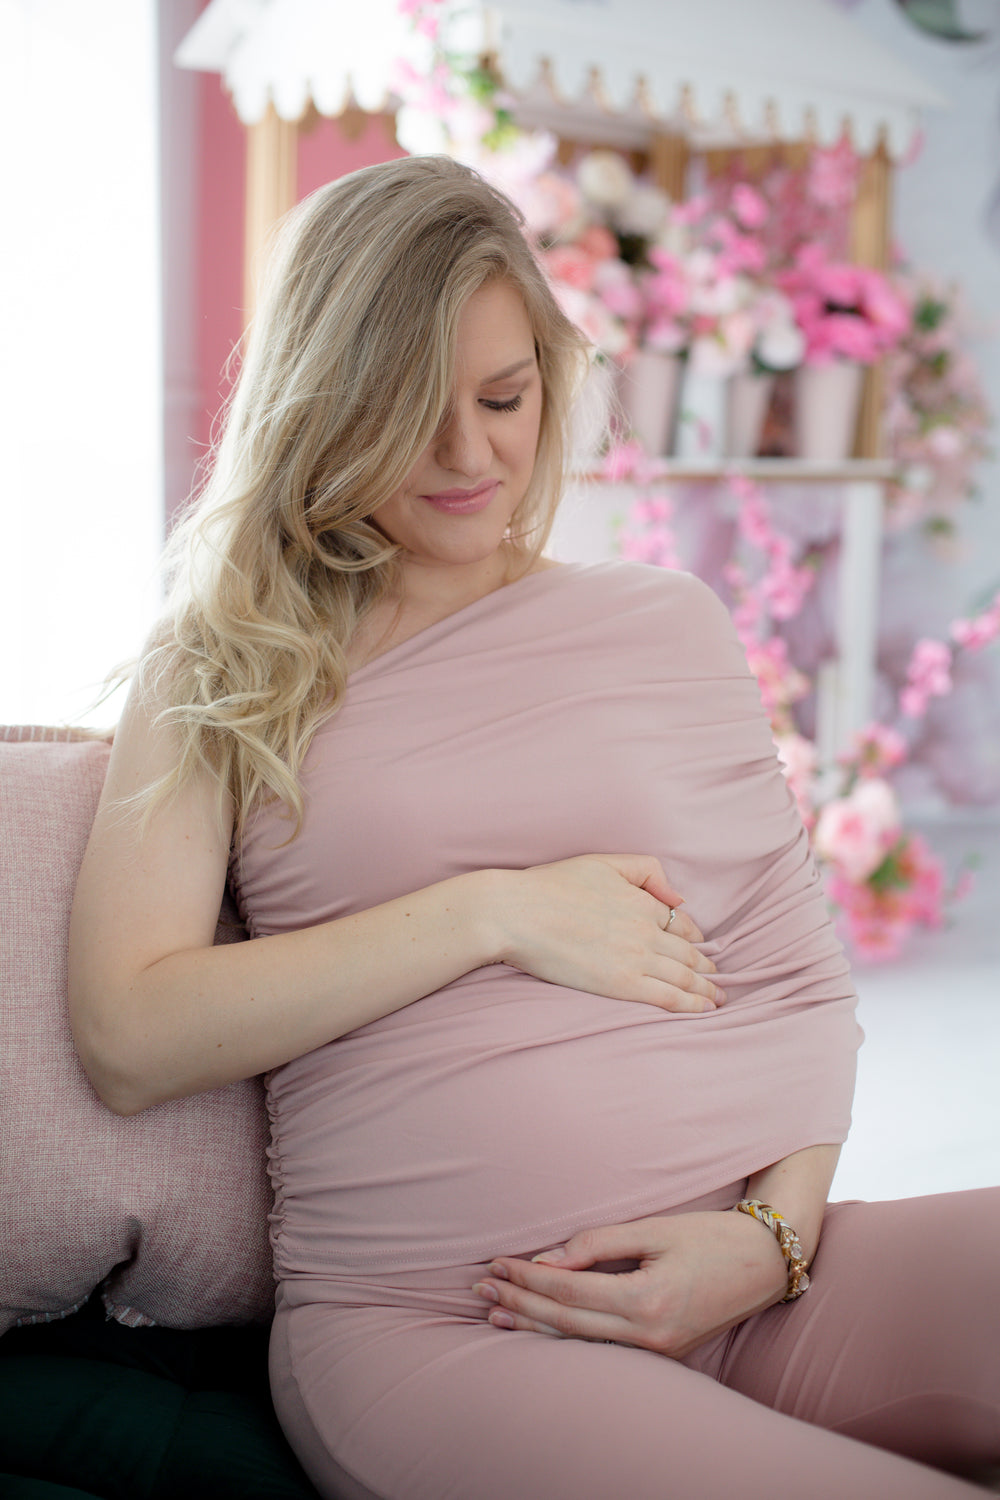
x: 698, y: 1275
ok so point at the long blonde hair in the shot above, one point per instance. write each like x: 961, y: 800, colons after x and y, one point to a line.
x: 347, y: 374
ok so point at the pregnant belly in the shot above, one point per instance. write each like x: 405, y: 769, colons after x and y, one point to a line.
x: 499, y: 1114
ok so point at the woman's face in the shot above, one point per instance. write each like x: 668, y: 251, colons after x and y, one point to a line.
x: 456, y: 503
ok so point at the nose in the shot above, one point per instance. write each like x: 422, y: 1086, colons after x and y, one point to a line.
x: 463, y: 444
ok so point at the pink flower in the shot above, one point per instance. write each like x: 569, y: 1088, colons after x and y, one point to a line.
x: 749, y: 207
x: 927, y: 891
x: 655, y: 545
x: 976, y: 633
x: 877, y: 938
x: 847, y: 335
x: 691, y: 211
x: 857, y: 831
x: 616, y: 287
x: 875, y: 749
x: 798, y: 759
x: 598, y: 242
x: 883, y: 304
x: 550, y: 204
x: 626, y: 461
x: 568, y: 264
x: 833, y: 176
x: 650, y: 509
x: 841, y: 284
x: 785, y: 587
x: 780, y: 683
x: 927, y: 676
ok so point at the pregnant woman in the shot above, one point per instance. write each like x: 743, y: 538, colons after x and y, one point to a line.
x: 461, y: 792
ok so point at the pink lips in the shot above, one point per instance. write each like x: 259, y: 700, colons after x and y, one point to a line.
x: 463, y: 502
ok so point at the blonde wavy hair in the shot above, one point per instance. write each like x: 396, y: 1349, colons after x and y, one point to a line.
x: 346, y: 376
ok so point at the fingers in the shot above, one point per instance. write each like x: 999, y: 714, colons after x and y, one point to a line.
x: 681, y: 926
x: 545, y: 1300
x: 608, y: 1242
x: 685, y: 970
x: 683, y: 982
x: 645, y: 871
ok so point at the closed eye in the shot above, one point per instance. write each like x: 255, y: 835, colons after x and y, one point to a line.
x: 513, y: 404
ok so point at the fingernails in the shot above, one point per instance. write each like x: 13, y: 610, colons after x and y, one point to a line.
x: 491, y: 1294
x: 720, y: 996
x: 499, y: 1271
x: 549, y: 1257
x: 501, y: 1320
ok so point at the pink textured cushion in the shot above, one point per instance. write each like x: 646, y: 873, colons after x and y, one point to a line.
x: 167, y: 1211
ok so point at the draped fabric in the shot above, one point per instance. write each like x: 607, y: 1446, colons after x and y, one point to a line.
x: 582, y: 709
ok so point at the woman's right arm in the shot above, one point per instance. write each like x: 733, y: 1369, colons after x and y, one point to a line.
x: 159, y: 1013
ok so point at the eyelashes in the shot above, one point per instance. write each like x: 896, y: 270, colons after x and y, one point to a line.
x: 514, y: 404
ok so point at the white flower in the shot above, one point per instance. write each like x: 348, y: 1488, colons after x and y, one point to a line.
x: 644, y: 213
x: 720, y: 356
x: 605, y: 179
x: 780, y: 346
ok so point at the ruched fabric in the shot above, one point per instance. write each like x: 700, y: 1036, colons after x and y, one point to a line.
x: 579, y: 710
x: 583, y: 709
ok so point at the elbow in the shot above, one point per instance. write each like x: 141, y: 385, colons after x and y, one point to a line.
x: 116, y: 1087
x: 102, y: 1049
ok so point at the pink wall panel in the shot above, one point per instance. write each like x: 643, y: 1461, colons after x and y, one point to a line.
x: 324, y: 154
x: 221, y: 166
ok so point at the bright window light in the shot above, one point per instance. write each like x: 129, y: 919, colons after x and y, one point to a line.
x: 80, y: 382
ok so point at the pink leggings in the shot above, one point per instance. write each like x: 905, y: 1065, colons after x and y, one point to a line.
x: 873, y: 1385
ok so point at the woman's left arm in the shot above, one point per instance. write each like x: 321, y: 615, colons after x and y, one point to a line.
x: 699, y: 1273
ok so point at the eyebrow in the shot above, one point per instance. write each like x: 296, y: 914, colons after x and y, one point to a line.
x: 522, y: 364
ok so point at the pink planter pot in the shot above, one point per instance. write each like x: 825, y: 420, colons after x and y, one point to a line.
x: 827, y: 398
x: 747, y: 399
x: 647, y: 391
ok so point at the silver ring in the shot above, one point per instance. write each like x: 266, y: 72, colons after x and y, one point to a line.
x: 673, y: 913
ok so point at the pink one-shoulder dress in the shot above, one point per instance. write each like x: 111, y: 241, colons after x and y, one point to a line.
x: 582, y: 709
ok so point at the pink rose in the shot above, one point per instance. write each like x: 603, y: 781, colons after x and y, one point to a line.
x: 856, y: 832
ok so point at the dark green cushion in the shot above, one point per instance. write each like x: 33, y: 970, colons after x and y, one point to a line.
x: 12, y: 1488
x: 141, y: 1414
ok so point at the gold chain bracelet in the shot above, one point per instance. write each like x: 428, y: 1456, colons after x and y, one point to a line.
x: 788, y: 1240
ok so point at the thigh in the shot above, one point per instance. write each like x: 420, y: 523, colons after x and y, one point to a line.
x: 897, y: 1341
x: 381, y: 1404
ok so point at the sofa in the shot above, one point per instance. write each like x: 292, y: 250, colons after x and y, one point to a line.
x: 135, y: 1270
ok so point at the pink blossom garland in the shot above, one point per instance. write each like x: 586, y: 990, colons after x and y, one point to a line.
x: 646, y: 535
x: 927, y: 676
x: 882, y: 880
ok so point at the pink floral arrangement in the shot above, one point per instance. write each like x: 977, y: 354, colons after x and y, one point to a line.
x: 707, y: 291
x: 845, y: 311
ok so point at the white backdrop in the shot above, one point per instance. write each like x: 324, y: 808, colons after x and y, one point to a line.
x: 80, y: 380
